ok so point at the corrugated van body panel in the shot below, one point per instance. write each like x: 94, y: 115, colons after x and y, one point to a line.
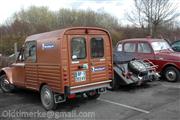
x: 31, y: 80
x: 51, y: 75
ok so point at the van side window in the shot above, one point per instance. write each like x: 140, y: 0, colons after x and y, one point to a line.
x: 130, y: 47
x: 30, y: 51
x: 97, y: 47
x: 78, y: 48
x: 144, y: 48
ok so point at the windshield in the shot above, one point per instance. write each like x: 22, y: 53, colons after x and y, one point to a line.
x: 158, y: 46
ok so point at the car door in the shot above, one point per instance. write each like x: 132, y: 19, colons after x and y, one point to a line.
x: 129, y: 49
x: 144, y: 51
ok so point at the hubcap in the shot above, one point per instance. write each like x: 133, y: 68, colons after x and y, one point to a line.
x: 171, y: 75
x: 47, y: 97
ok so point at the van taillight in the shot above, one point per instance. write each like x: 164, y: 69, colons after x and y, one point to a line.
x: 110, y: 73
x: 65, y: 77
x: 65, y: 73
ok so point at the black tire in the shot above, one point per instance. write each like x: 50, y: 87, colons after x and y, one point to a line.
x: 115, y: 82
x: 134, y: 66
x: 5, y: 85
x: 93, y: 95
x: 171, y: 74
x: 47, y: 98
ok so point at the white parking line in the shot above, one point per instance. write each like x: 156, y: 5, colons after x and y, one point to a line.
x: 126, y: 106
x: 171, y: 86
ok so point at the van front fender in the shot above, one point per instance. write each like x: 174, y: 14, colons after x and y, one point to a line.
x: 8, y: 72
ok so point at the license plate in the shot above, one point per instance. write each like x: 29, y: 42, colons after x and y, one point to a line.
x: 80, y: 76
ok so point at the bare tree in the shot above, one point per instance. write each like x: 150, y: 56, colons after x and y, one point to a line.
x: 152, y: 14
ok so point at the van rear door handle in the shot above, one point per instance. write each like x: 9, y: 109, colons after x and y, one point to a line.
x: 84, y: 66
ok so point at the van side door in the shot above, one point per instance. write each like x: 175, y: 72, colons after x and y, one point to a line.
x: 18, y: 70
x: 31, y: 73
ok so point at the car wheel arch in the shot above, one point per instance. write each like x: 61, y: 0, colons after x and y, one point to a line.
x: 8, y: 74
x: 2, y: 72
x: 169, y: 65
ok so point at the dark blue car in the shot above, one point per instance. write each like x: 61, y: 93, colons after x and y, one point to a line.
x: 176, y: 46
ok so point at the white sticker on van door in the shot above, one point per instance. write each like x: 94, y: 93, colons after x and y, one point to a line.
x: 80, y: 76
x: 98, y: 69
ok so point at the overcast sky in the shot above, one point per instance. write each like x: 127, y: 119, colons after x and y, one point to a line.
x: 116, y: 8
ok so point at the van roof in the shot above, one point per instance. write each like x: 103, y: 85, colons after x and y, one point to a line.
x: 58, y: 33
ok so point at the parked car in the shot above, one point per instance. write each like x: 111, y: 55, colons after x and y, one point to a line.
x: 62, y: 64
x: 158, y: 51
x: 176, y: 46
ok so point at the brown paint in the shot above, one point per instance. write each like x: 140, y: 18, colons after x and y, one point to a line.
x: 55, y: 66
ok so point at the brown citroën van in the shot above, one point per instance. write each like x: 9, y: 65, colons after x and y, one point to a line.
x: 62, y: 63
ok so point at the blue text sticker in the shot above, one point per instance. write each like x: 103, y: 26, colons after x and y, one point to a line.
x: 97, y: 69
x: 47, y: 46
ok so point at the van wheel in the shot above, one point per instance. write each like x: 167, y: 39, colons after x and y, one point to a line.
x: 93, y: 95
x: 47, y: 98
x: 5, y: 84
x: 171, y: 74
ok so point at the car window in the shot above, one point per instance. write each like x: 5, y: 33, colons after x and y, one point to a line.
x: 119, y: 47
x: 161, y: 45
x: 176, y: 44
x: 97, y: 47
x: 30, y: 51
x: 130, y: 47
x: 78, y: 48
x: 144, y: 48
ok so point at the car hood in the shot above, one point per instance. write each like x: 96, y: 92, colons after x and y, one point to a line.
x: 168, y: 55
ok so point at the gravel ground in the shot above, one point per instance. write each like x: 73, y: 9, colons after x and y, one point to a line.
x: 155, y: 101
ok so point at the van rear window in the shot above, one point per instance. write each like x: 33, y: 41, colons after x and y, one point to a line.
x: 78, y: 48
x: 97, y: 47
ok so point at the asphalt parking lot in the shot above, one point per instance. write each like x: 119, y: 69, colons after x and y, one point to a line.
x: 155, y: 101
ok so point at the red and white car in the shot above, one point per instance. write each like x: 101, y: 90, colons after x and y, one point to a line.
x: 158, y: 51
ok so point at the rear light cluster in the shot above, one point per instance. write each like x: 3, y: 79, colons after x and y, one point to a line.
x: 110, y: 71
x: 65, y: 76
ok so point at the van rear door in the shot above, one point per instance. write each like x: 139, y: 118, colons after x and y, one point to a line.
x: 90, y: 58
x: 79, y: 61
x: 98, y: 51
